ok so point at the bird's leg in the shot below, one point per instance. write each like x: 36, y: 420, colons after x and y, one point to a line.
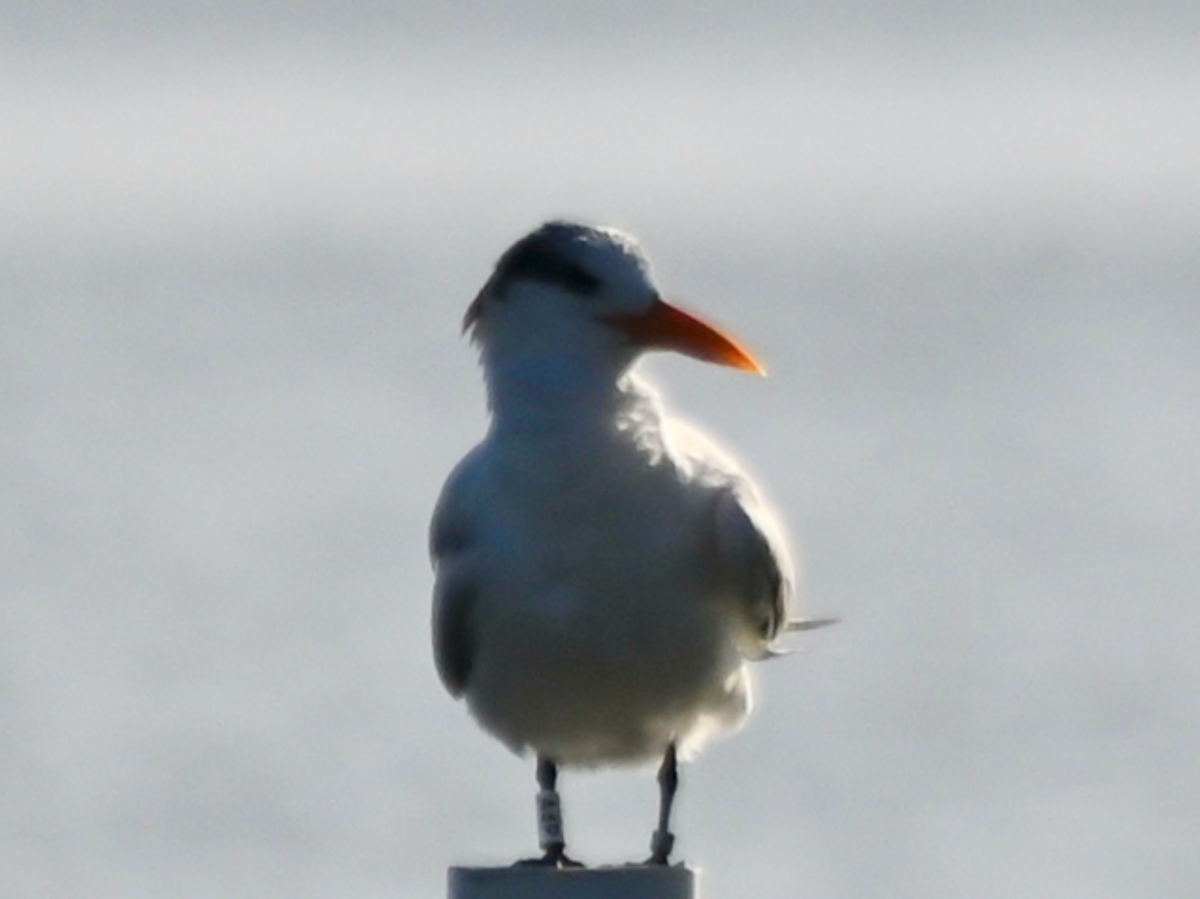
x: 550, y: 825
x: 549, y: 809
x: 663, y: 841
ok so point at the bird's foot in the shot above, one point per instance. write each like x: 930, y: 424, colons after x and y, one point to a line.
x: 661, y: 845
x: 555, y: 857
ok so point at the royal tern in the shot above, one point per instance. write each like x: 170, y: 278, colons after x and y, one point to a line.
x: 603, y: 571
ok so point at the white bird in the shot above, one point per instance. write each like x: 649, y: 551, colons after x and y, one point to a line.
x: 603, y: 571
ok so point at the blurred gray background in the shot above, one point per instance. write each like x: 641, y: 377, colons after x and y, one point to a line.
x: 236, y: 241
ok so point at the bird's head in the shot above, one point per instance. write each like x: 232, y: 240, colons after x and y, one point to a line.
x: 573, y: 291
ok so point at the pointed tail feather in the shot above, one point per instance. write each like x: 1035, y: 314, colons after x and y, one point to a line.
x: 809, y: 624
x: 766, y: 653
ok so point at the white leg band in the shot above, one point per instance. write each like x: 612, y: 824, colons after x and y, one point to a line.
x: 550, y: 823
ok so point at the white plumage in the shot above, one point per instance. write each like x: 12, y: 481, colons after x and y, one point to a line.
x: 604, y: 571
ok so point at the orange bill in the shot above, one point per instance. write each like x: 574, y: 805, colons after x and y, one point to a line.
x: 667, y: 327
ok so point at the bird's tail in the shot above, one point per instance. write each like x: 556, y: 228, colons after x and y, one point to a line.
x: 808, y: 624
x: 794, y: 626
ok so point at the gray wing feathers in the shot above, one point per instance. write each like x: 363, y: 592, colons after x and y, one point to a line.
x: 757, y: 570
x: 455, y: 590
x: 453, y: 639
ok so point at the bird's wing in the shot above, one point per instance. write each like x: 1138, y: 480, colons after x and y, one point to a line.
x: 754, y: 555
x: 451, y: 540
x: 749, y: 551
x: 755, y: 566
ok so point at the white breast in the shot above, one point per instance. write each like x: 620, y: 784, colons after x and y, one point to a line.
x: 599, y: 635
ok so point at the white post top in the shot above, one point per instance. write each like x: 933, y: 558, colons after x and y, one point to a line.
x: 532, y: 882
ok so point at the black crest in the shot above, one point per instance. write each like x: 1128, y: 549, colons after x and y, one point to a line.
x: 544, y: 256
